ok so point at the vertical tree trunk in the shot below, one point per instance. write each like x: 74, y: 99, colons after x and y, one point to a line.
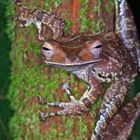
x: 30, y: 73
x: 75, y: 14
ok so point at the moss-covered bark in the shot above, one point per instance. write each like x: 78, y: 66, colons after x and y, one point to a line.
x: 31, y: 77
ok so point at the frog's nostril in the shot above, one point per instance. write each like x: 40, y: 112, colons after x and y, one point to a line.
x: 46, y: 49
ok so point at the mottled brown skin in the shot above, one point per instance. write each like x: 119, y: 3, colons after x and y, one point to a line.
x: 126, y: 29
x: 120, y: 127
x: 46, y: 23
x: 95, y: 59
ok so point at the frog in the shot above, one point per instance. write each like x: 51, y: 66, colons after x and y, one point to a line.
x: 46, y: 22
x: 96, y: 59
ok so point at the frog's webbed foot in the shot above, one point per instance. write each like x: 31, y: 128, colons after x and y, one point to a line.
x: 68, y: 109
x: 62, y: 105
x: 74, y: 107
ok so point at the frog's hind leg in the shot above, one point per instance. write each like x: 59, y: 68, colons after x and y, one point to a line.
x: 112, y: 101
x: 39, y: 29
x: 120, y: 127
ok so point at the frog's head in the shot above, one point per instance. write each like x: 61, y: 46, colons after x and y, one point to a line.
x: 72, y: 57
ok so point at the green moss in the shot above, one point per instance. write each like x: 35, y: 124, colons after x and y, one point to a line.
x: 51, y: 5
x: 6, y: 38
x: 68, y: 24
x: 109, y: 6
x: 97, y: 7
x: 83, y: 16
x: 98, y: 26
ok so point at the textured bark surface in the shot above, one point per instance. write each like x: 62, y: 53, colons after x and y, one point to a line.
x: 41, y: 81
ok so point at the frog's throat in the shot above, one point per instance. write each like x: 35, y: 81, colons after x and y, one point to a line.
x: 72, y: 64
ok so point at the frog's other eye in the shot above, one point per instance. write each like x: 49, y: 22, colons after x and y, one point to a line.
x: 96, y: 48
x: 99, y: 46
x: 47, y: 50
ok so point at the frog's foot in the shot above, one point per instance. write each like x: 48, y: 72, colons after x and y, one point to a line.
x: 74, y: 107
x: 40, y: 37
x: 112, y: 101
x: 63, y: 105
x: 68, y: 109
x: 41, y: 100
x: 22, y: 23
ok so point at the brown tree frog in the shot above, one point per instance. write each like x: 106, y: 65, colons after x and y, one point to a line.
x: 97, y: 58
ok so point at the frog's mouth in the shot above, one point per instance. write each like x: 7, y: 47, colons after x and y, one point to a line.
x: 72, y: 66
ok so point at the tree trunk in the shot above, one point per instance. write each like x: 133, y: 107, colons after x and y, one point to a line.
x: 31, y: 77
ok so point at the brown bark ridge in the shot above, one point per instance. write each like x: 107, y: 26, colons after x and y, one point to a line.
x: 75, y: 13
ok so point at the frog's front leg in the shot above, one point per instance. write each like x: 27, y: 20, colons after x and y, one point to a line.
x: 75, y: 107
x: 39, y: 29
x: 65, y: 87
x: 112, y: 101
x: 68, y: 108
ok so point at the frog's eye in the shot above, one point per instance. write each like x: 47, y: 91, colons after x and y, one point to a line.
x: 47, y: 50
x: 99, y: 46
x: 96, y: 48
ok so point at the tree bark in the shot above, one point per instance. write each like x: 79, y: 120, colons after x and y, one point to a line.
x: 31, y: 78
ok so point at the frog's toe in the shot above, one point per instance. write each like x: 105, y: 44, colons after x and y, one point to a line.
x: 41, y: 38
x: 65, y: 86
x: 43, y: 116
x: 41, y: 100
x: 69, y: 109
